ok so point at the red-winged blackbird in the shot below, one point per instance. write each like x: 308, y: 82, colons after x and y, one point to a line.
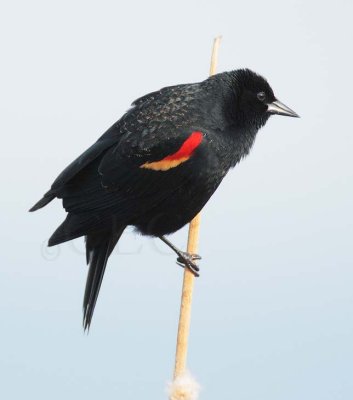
x: 158, y: 165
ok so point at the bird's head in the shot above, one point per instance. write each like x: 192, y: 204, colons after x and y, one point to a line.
x: 255, y: 100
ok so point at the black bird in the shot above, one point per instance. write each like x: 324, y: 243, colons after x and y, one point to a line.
x: 158, y: 165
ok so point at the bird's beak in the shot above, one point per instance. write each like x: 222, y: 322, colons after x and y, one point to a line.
x: 276, y: 107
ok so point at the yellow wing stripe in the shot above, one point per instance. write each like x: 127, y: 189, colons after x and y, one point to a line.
x: 163, y: 165
x: 183, y: 154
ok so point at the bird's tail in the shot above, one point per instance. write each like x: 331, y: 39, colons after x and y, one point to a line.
x: 99, y: 246
x: 47, y: 198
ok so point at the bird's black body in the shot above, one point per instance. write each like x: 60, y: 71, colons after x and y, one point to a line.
x: 158, y: 165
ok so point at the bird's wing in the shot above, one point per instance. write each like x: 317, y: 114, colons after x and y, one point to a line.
x: 136, y: 174
x: 156, y: 154
x: 155, y: 105
x: 141, y: 161
x: 137, y: 178
x: 82, y: 161
x: 78, y: 165
x: 143, y: 100
x: 136, y: 154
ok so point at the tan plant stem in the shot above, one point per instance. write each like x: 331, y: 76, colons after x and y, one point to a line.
x: 188, y: 282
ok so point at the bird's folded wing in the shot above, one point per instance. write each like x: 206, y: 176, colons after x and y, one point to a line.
x: 154, y: 163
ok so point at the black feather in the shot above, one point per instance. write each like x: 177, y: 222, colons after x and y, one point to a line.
x: 47, y: 198
x: 99, y: 246
x: 74, y: 226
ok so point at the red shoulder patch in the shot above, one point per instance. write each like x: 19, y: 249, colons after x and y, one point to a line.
x: 183, y: 154
x: 188, y: 147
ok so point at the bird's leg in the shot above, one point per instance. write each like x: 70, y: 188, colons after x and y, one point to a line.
x: 184, y: 259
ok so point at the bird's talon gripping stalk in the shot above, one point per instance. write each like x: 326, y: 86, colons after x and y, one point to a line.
x: 191, y: 266
x: 184, y: 259
x: 187, y: 260
x: 188, y: 256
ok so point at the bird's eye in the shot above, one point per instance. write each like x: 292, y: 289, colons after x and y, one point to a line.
x: 261, y: 96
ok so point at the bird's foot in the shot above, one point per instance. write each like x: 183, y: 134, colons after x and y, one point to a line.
x: 187, y: 260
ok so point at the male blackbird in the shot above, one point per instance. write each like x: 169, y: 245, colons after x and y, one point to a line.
x: 158, y: 165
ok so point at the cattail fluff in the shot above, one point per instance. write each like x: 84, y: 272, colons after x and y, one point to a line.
x: 184, y: 387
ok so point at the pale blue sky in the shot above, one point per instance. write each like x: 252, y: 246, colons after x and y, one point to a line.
x: 272, y: 312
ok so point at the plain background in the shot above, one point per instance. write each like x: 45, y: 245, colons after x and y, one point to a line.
x: 272, y: 312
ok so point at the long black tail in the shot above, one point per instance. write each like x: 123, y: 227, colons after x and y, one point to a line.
x: 99, y: 246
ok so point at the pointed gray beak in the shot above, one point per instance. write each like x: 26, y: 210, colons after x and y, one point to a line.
x: 276, y: 107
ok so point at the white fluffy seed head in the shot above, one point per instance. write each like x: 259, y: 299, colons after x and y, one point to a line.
x: 184, y: 387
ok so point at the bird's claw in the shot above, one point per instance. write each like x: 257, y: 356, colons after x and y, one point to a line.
x: 189, y: 257
x: 187, y: 260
